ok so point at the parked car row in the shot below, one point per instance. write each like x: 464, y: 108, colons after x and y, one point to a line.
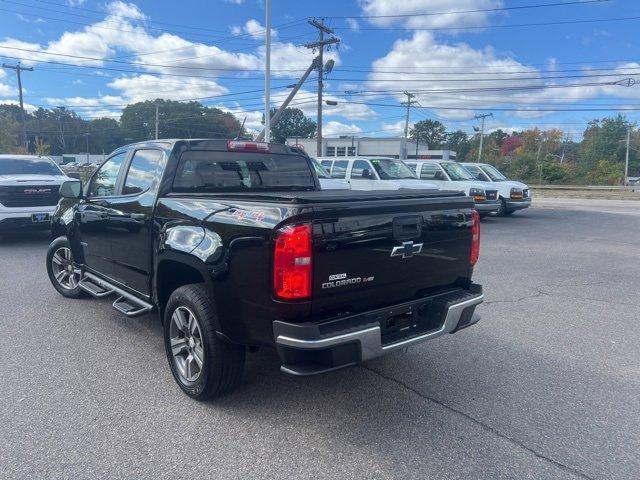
x: 491, y: 191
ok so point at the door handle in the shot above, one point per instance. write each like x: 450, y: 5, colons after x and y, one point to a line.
x: 138, y: 216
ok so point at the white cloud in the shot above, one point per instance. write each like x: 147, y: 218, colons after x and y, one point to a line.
x: 307, y: 102
x: 353, y: 24
x: 254, y: 29
x: 334, y: 128
x: 75, y: 3
x: 453, y: 94
x: 235, y: 2
x: 388, y: 10
x: 139, y: 88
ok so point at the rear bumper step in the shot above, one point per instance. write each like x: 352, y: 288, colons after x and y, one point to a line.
x: 309, y: 349
x: 126, y: 303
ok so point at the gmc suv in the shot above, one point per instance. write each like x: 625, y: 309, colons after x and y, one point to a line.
x: 28, y: 191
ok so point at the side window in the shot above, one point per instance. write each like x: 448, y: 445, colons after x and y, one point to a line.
x: 141, y: 171
x: 412, y: 166
x: 358, y: 169
x: 430, y: 171
x: 339, y: 169
x: 326, y: 164
x: 104, y: 181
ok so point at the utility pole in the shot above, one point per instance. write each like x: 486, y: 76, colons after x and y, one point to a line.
x: 626, y: 158
x: 86, y: 136
x: 18, y: 68
x: 408, y: 103
x: 320, y: 44
x: 267, y: 71
x: 281, y: 109
x: 482, y: 117
x: 157, y: 121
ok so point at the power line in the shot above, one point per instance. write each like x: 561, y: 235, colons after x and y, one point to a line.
x: 478, y: 10
x: 512, y: 25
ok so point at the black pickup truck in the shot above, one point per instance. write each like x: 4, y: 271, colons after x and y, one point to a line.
x: 236, y: 247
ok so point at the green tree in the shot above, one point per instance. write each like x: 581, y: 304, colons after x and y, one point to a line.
x: 176, y: 120
x: 292, y: 123
x: 458, y: 141
x: 431, y: 132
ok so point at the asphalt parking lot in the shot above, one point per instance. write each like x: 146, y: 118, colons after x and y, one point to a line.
x: 547, y: 386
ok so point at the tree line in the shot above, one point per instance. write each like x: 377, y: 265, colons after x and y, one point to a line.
x: 532, y: 155
x: 546, y: 156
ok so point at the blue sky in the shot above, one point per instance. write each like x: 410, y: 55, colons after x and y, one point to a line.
x: 96, y: 56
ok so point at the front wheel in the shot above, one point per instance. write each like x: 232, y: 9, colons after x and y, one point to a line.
x: 502, y: 209
x: 202, y: 363
x: 63, y: 274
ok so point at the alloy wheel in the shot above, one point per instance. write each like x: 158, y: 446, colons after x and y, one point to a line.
x: 187, y: 348
x: 63, y: 269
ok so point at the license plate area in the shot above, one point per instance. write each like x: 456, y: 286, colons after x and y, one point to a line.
x: 410, y: 321
x: 40, y: 217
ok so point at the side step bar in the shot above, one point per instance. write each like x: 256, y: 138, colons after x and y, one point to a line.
x: 126, y: 303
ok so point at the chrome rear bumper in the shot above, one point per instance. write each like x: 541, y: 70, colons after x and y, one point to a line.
x: 308, y: 349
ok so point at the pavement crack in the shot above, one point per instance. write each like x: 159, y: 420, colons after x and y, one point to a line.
x: 484, y: 426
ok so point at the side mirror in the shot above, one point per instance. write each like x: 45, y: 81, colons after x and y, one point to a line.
x: 438, y: 176
x: 71, y: 189
x: 366, y: 173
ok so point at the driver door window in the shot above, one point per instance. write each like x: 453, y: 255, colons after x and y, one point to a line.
x: 105, y: 180
x: 359, y: 168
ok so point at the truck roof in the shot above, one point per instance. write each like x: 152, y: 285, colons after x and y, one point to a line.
x: 216, y: 144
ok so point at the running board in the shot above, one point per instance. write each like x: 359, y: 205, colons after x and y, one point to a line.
x: 126, y: 303
x: 94, y: 289
x: 130, y: 308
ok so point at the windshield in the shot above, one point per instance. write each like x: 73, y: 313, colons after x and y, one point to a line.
x: 28, y: 166
x: 391, y: 169
x: 494, y: 173
x: 320, y: 170
x: 456, y: 171
x: 212, y: 171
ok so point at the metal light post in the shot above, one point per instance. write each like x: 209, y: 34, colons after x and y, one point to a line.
x: 267, y: 72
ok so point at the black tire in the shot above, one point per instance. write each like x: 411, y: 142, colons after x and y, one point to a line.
x: 65, y: 286
x: 503, y: 208
x: 222, y: 362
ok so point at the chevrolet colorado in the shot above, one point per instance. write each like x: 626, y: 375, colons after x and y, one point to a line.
x: 236, y: 247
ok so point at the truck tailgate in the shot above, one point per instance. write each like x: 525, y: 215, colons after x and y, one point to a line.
x: 368, y: 255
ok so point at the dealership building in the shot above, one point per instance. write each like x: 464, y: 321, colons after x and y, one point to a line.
x: 348, y: 146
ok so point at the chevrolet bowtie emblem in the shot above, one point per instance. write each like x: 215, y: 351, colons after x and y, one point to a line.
x: 406, y: 250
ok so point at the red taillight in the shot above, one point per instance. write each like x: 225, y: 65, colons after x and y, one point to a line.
x: 235, y: 146
x: 292, y: 263
x: 475, y: 238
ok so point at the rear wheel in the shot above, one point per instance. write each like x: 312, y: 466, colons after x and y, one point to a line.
x: 63, y: 273
x: 202, y: 363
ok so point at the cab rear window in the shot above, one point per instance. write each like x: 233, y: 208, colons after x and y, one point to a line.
x: 215, y: 171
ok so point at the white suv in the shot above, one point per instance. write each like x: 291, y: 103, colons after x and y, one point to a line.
x: 512, y: 195
x: 453, y: 176
x: 374, y: 173
x: 29, y: 188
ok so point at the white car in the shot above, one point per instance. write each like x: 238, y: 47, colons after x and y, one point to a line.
x: 326, y: 182
x: 452, y: 176
x: 29, y: 188
x: 374, y: 173
x: 512, y: 195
